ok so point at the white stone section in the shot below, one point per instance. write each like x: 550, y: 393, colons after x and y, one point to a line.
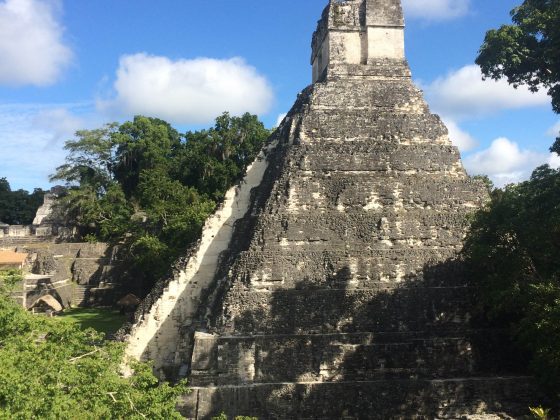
x: 373, y: 202
x: 385, y: 43
x: 156, y: 336
x: 346, y: 40
x: 45, y: 210
x: 346, y: 47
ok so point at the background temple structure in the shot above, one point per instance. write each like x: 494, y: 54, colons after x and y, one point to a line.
x: 326, y: 285
x: 56, y: 265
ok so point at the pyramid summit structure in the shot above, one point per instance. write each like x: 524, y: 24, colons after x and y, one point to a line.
x: 326, y: 285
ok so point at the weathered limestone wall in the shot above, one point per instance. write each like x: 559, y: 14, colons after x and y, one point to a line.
x: 384, y: 13
x: 156, y: 336
x: 15, y: 231
x: 354, y: 32
x: 348, y: 46
x: 321, y: 59
x: 385, y: 43
x: 338, y: 293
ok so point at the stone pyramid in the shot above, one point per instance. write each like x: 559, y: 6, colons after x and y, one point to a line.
x: 325, y: 287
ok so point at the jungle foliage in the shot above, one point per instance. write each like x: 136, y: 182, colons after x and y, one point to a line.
x: 18, y: 207
x: 513, y: 253
x: 9, y: 278
x: 527, y: 52
x: 146, y: 186
x: 52, y: 369
x: 513, y: 249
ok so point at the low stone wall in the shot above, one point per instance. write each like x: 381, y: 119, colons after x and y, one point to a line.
x: 77, y: 274
x: 11, y: 235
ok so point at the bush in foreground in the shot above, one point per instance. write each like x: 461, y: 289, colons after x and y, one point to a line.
x: 51, y: 369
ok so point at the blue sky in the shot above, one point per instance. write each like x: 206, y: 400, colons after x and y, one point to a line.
x: 72, y: 64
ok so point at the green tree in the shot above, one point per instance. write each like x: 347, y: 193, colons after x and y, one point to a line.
x: 142, y: 144
x: 8, y: 279
x: 174, y: 211
x: 115, y: 211
x: 527, y: 51
x: 212, y: 160
x: 143, y: 185
x: 18, y: 207
x: 51, y: 369
x: 90, y: 160
x: 107, y: 216
x: 95, y: 202
x: 513, y: 251
x: 4, y: 185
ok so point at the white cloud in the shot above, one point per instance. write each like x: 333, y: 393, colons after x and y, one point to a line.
x: 59, y: 122
x: 436, y: 9
x: 280, y: 118
x: 31, y: 145
x: 554, y: 131
x: 460, y: 138
x: 463, y: 94
x: 554, y: 161
x: 32, y: 50
x: 505, y: 162
x: 187, y: 91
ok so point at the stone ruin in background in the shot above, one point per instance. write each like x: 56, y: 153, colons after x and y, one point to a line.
x: 47, y: 225
x: 59, y: 265
x: 326, y: 285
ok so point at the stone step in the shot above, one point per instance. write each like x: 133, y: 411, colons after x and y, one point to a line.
x: 375, y: 226
x: 28, y: 240
x: 315, y: 266
x: 451, y: 398
x: 392, y: 95
x: 384, y: 125
x: 368, y: 146
x: 223, y: 360
x: 80, y: 294
x: 340, y: 257
x: 433, y: 161
x: 332, y: 311
x: 228, y: 361
x: 398, y: 190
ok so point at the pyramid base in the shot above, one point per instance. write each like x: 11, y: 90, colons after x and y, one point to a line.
x: 456, y: 398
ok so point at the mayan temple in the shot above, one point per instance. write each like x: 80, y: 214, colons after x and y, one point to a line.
x: 325, y: 285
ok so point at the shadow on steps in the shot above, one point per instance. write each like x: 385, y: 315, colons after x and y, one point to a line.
x: 337, y: 351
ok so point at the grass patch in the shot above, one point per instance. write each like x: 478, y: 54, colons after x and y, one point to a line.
x: 107, y: 321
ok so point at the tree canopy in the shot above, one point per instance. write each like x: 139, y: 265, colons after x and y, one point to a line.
x: 18, y: 207
x: 527, y: 51
x: 513, y: 249
x: 146, y: 186
x: 51, y: 369
x: 513, y: 252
